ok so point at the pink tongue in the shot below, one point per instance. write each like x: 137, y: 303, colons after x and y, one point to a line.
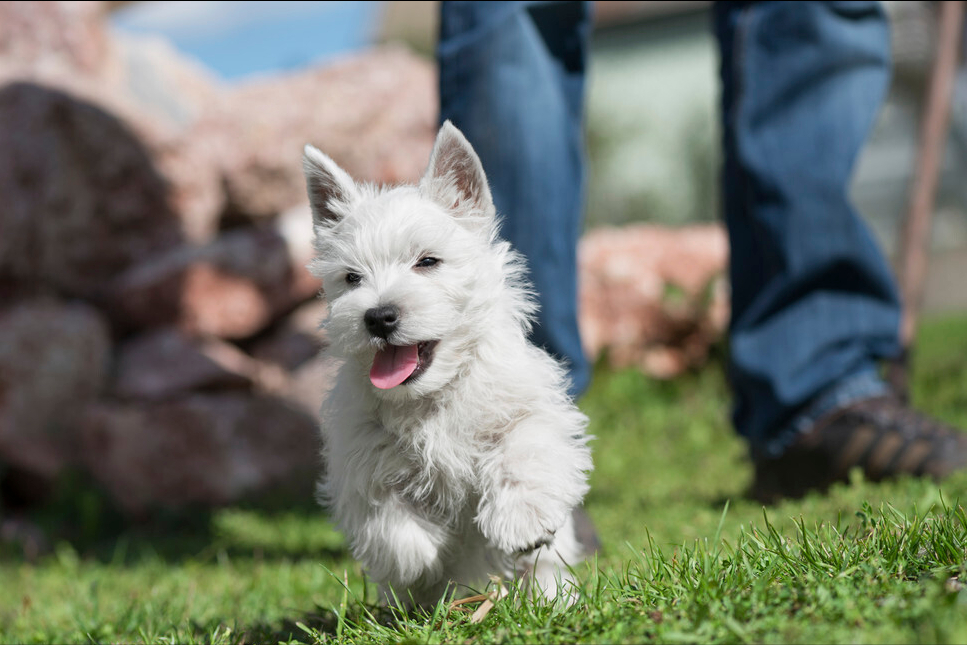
x: 393, y: 365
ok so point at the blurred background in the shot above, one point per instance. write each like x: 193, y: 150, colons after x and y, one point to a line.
x: 158, y: 330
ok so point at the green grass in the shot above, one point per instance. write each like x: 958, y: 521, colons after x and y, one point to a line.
x: 687, y: 558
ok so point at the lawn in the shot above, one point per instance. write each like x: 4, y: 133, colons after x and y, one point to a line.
x: 686, y: 557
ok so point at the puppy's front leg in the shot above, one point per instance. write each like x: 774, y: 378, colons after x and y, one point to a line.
x: 396, y: 544
x: 529, y: 484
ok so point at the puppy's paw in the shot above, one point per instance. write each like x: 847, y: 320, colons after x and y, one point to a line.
x: 515, y: 525
x: 400, y: 549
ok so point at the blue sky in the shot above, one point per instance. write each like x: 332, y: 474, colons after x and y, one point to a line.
x: 239, y: 39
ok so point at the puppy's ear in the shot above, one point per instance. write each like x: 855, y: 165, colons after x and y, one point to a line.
x: 331, y: 190
x: 455, y: 177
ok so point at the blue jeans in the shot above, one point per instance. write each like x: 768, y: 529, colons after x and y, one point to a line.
x: 512, y: 80
x: 814, y: 305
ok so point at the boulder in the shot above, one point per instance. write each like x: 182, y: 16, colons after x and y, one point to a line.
x: 296, y: 339
x: 374, y: 113
x: 206, y: 449
x: 54, y: 38
x: 167, y: 363
x: 82, y: 197
x: 54, y: 357
x: 651, y: 296
x: 141, y: 82
x: 223, y: 152
x: 232, y: 288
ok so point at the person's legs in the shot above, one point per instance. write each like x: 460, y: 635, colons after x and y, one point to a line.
x: 512, y: 80
x: 814, y: 302
x: 815, y: 308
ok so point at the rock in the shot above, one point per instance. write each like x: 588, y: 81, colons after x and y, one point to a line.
x: 166, y: 84
x: 374, y: 113
x: 651, y: 296
x: 167, y: 363
x: 134, y: 182
x: 53, y: 362
x: 140, y: 81
x: 194, y: 179
x: 201, y: 449
x: 82, y: 198
x: 232, y: 288
x: 223, y: 151
x: 169, y: 92
x: 296, y: 340
x: 63, y: 38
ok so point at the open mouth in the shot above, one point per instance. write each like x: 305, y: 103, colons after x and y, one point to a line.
x: 399, y: 364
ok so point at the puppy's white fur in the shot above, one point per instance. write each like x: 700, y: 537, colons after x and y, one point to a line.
x: 454, y: 475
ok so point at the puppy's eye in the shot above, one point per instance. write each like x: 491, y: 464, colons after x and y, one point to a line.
x: 427, y: 262
x: 353, y: 279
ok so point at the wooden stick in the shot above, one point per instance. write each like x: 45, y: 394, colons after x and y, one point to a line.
x: 463, y: 601
x: 914, y: 241
x: 914, y: 249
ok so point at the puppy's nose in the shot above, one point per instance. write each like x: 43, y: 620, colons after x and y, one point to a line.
x: 382, y: 321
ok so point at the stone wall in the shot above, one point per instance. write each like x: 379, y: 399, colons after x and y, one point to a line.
x: 158, y: 329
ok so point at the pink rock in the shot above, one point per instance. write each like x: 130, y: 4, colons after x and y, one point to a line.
x: 53, y: 362
x: 194, y: 180
x: 374, y: 113
x: 200, y: 449
x: 231, y: 288
x: 157, y: 78
x: 652, y: 296
x: 69, y: 38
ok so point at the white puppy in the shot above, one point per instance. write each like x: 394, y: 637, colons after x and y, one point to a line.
x: 452, y: 450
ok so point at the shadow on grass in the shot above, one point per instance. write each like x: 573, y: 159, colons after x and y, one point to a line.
x: 302, y: 628
x: 323, y: 624
x: 82, y: 515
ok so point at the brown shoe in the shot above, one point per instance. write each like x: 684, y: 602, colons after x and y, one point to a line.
x: 882, y: 436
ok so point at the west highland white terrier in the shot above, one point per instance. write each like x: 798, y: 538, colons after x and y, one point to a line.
x: 452, y: 450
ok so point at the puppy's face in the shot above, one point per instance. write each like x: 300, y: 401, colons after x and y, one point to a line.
x: 405, y: 269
